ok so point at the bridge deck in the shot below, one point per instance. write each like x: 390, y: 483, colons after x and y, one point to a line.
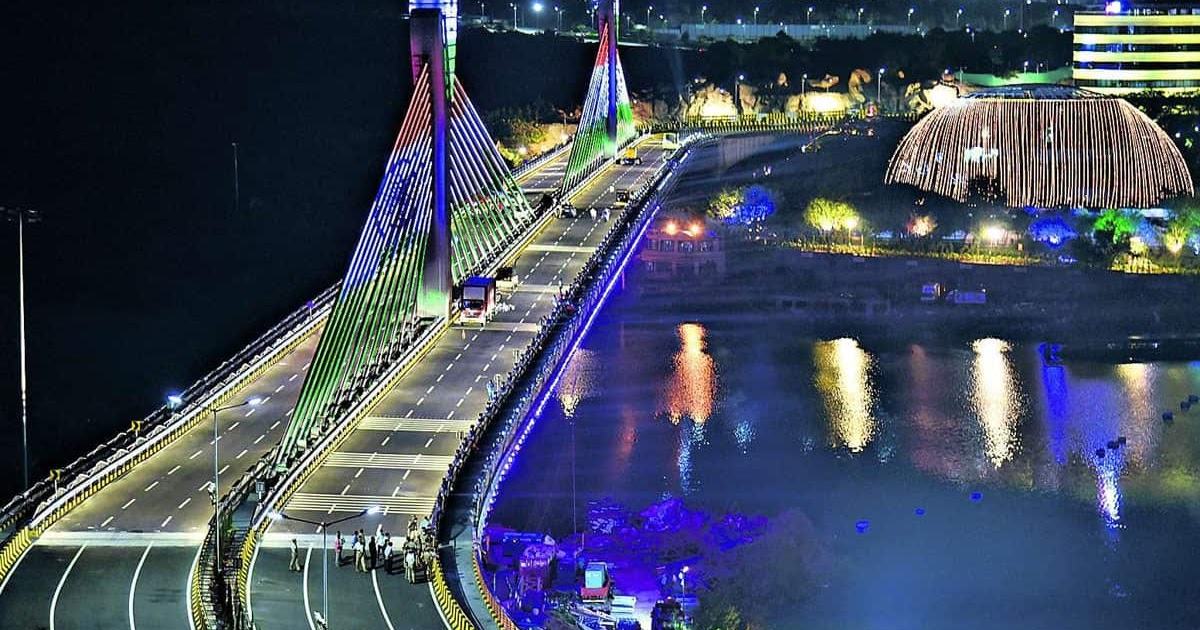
x: 401, y: 469
x: 122, y: 558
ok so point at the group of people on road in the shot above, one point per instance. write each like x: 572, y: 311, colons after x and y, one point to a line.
x: 367, y: 551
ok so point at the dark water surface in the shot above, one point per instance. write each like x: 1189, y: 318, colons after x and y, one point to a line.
x: 1021, y: 523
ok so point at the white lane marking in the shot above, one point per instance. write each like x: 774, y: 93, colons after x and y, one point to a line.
x: 185, y: 502
x: 279, y: 389
x: 459, y: 355
x: 195, y: 455
x: 293, y: 377
x: 306, y: 365
x: 419, y: 401
x: 396, y: 491
x: 150, y: 487
x: 358, y: 474
x: 133, y: 584
x: 272, y: 427
x: 385, y: 441
x: 265, y: 400
x: 450, y: 365
x: 244, y: 451
x: 406, y: 474
x: 63, y: 580
x: 379, y: 598
x: 260, y: 438
x: 250, y: 413
x: 308, y: 611
x: 468, y: 392
x: 128, y: 504
x: 222, y: 471
x: 450, y: 415
x: 107, y: 521
x: 409, y: 414
x: 440, y: 377
x: 428, y: 442
x: 206, y: 486
x: 460, y: 402
x: 346, y: 489
x: 494, y: 356
x: 430, y: 390
x: 172, y: 471
x: 234, y: 425
x: 167, y: 520
x: 288, y: 413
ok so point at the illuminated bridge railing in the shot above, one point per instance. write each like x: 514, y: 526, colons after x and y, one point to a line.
x: 504, y: 424
x: 27, y: 516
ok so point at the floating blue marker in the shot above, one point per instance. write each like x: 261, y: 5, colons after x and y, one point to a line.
x: 862, y: 526
x: 1168, y: 416
x: 976, y: 496
x: 919, y: 511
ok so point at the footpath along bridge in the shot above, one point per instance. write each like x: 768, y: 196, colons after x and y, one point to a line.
x: 368, y: 398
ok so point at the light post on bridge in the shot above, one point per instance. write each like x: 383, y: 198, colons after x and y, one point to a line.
x: 756, y: 16
x: 879, y: 88
x: 280, y: 516
x: 703, y: 9
x: 176, y: 401
x: 514, y: 8
x: 22, y: 216
x: 559, y: 12
x: 649, y: 8
x: 808, y: 16
x: 537, y: 10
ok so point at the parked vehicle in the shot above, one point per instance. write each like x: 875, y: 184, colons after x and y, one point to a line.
x: 478, y: 300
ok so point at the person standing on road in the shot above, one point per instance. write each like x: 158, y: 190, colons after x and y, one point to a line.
x: 337, y: 548
x: 592, y: 211
x: 295, y: 564
x: 606, y: 214
x: 359, y: 561
x: 374, y: 550
x: 387, y: 557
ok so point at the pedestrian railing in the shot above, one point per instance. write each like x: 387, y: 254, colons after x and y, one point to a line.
x: 533, y: 374
x: 111, y: 460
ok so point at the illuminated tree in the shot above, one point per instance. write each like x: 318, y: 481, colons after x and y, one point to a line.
x: 921, y: 225
x: 1114, y: 226
x: 724, y: 204
x: 829, y: 214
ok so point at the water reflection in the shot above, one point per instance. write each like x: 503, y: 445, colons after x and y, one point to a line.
x: 843, y: 380
x: 694, y: 380
x: 996, y: 398
x: 578, y: 381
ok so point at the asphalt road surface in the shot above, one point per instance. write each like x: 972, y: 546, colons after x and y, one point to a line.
x: 398, y: 455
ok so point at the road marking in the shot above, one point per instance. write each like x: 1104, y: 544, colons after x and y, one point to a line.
x: 459, y: 355
x: 128, y: 504
x: 379, y: 598
x: 419, y: 401
x: 346, y: 489
x: 409, y: 414
x: 195, y: 455
x: 406, y: 474
x: 150, y: 487
x: 250, y: 413
x: 396, y: 491
x: 308, y: 611
x: 290, y: 411
x: 385, y: 441
x: 279, y: 389
x: 356, y: 503
x: 293, y: 377
x: 244, y: 451
x: 430, y: 389
x: 107, y: 521
x: 428, y: 442
x: 206, y: 486
x: 272, y: 427
x: 440, y: 377
x: 358, y: 474
x: 260, y: 438
x: 172, y: 471
x: 450, y: 415
x: 468, y: 392
x: 63, y: 580
x: 168, y: 520
x: 460, y: 402
x: 485, y: 368
x: 234, y: 425
x: 133, y: 584
x: 451, y: 364
x: 222, y: 471
x: 494, y: 356
x: 185, y: 502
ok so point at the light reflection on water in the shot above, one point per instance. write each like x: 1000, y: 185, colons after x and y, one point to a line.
x: 985, y: 416
x: 996, y: 399
x: 843, y: 378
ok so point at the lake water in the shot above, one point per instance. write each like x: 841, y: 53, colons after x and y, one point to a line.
x: 970, y: 466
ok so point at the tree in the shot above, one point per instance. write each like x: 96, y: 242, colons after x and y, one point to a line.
x: 829, y: 214
x: 723, y: 205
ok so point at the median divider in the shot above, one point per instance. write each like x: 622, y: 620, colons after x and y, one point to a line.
x: 33, y: 512
x: 520, y: 401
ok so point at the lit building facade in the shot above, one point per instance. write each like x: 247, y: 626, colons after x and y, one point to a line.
x: 1127, y: 50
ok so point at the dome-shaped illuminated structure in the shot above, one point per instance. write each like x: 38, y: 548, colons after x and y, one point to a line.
x: 1042, y: 146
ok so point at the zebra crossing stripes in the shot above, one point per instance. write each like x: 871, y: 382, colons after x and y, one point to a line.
x: 566, y: 249
x: 328, y: 503
x: 390, y: 460
x: 430, y: 425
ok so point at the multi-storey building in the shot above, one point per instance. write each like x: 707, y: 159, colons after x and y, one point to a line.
x: 1123, y: 50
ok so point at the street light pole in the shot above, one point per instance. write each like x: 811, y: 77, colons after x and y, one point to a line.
x: 22, y: 216
x: 648, y: 10
x: 216, y: 488
x: 324, y: 550
x: 756, y: 16
x: 703, y: 8
x: 237, y: 192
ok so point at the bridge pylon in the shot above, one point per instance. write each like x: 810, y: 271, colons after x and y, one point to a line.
x: 607, y: 121
x: 447, y: 206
